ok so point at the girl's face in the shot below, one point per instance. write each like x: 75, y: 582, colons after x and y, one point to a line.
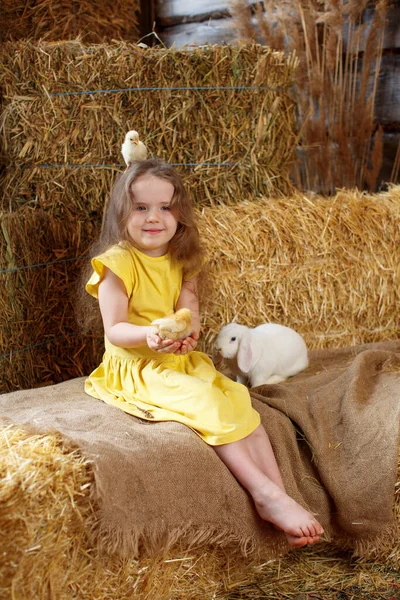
x: 152, y: 224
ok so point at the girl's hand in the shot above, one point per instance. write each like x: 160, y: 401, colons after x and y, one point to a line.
x: 156, y: 344
x: 188, y: 344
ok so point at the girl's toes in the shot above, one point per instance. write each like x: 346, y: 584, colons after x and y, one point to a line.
x: 317, y: 528
x: 314, y: 539
x: 299, y: 542
x: 296, y: 542
x: 307, y: 532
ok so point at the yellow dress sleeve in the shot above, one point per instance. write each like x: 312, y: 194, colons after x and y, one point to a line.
x: 119, y: 261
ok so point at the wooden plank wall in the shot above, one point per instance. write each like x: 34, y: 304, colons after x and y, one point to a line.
x: 195, y: 22
x: 201, y: 22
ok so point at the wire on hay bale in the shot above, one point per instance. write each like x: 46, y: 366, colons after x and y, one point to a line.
x: 326, y: 267
x: 62, y: 152
x: 46, y: 515
x: 58, y: 20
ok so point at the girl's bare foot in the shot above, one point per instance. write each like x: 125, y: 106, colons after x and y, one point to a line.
x: 274, y: 505
x: 299, y: 542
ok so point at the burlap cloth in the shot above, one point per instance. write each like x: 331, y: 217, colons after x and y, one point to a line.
x: 334, y: 429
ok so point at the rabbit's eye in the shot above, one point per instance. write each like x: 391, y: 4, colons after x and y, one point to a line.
x: 233, y: 339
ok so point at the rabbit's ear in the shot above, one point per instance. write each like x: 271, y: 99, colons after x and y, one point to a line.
x: 245, y: 355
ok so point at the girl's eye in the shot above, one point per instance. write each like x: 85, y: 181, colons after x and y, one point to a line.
x: 233, y: 339
x: 166, y: 207
x: 140, y: 207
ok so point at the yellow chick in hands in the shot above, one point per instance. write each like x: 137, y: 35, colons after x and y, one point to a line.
x: 174, y: 327
x: 133, y: 149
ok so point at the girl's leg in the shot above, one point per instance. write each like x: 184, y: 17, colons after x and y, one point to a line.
x: 262, y: 454
x: 271, y: 501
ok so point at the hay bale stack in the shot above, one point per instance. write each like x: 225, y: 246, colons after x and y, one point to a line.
x: 63, y: 151
x: 61, y: 155
x: 328, y: 267
x: 55, y: 20
x: 40, y: 261
x: 46, y: 515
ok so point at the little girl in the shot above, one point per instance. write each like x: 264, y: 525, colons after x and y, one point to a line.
x: 147, y: 260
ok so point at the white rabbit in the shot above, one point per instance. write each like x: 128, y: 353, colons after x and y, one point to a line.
x: 269, y: 353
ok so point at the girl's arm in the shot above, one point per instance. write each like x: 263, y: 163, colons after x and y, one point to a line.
x: 188, y: 298
x: 113, y: 301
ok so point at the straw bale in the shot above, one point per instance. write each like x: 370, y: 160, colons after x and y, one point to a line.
x: 251, y: 130
x: 37, y: 303
x: 46, y: 514
x: 328, y: 267
x: 57, y: 20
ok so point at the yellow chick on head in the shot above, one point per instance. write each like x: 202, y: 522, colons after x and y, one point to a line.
x: 174, y: 327
x: 133, y: 149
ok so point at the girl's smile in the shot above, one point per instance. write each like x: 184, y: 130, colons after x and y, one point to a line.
x: 152, y: 224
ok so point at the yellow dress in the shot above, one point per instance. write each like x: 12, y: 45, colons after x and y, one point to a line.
x: 164, y: 387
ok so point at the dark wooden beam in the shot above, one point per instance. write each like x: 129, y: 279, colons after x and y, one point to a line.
x: 147, y: 20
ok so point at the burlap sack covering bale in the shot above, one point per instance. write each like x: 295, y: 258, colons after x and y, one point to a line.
x: 334, y: 429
